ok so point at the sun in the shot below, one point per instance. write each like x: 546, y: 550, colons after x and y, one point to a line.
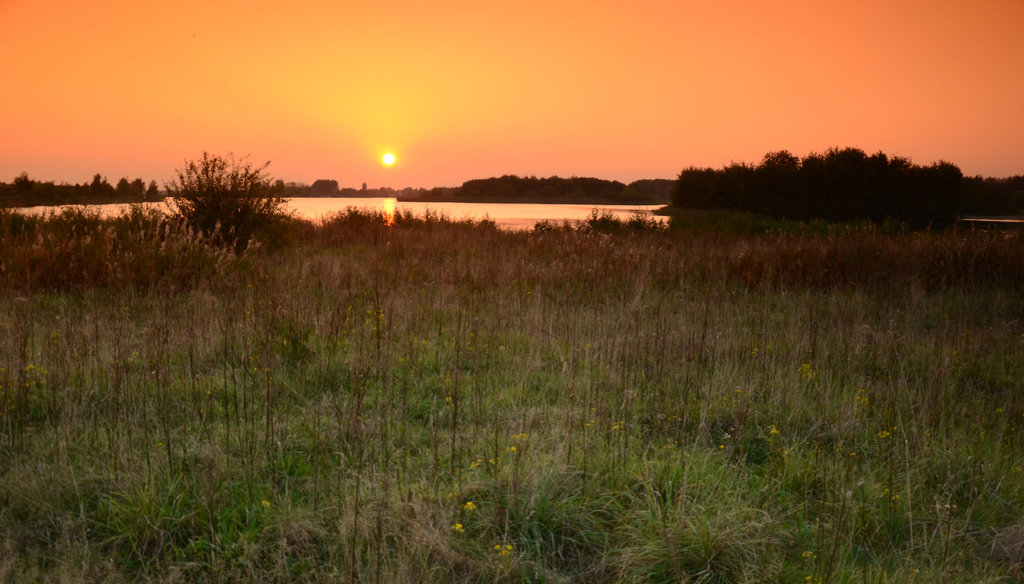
x: 388, y: 159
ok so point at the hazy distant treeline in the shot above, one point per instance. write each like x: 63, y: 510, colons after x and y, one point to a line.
x: 847, y: 185
x: 508, y: 188
x: 330, y: 188
x: 25, y: 192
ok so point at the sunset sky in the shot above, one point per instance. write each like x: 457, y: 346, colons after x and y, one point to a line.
x: 460, y: 90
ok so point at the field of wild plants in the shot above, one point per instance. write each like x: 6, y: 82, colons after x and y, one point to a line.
x: 439, y: 401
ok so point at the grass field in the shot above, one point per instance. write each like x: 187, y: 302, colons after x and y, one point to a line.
x: 438, y: 401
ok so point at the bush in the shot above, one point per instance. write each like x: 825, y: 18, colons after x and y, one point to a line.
x: 228, y: 198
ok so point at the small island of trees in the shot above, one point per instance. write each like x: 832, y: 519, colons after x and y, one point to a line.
x: 515, y: 189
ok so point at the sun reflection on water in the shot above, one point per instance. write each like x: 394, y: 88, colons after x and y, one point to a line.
x: 388, y: 211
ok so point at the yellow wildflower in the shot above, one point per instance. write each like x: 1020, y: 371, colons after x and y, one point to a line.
x: 807, y: 372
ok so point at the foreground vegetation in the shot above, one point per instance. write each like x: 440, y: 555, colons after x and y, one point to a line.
x: 410, y: 399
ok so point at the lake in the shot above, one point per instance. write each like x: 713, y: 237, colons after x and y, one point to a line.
x: 515, y: 216
x: 505, y: 215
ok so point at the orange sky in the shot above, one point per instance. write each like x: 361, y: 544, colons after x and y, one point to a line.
x: 461, y: 90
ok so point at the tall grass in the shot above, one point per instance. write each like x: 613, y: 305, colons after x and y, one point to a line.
x: 418, y: 399
x: 76, y: 249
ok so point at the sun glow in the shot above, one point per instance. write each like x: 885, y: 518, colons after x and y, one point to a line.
x: 388, y: 159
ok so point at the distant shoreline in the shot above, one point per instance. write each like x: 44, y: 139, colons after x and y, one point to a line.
x: 508, y: 189
x: 994, y: 218
x: 25, y: 204
x: 397, y: 196
x: 531, y: 200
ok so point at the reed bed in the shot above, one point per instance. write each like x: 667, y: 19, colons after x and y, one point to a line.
x: 416, y: 399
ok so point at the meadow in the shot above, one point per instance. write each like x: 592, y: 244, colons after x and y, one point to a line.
x: 428, y: 400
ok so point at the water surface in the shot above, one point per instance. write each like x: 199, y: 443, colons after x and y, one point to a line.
x: 505, y: 215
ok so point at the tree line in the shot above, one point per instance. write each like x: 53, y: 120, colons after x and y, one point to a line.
x: 329, y: 188
x: 554, y: 189
x: 507, y: 188
x: 25, y: 192
x: 845, y: 185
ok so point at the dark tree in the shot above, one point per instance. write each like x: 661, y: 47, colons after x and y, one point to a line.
x: 699, y: 188
x: 22, y: 183
x: 123, y: 188
x: 138, y: 188
x: 101, y: 189
x: 779, y: 180
x: 324, y: 187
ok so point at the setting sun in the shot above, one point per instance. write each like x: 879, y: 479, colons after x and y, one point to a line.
x: 388, y: 159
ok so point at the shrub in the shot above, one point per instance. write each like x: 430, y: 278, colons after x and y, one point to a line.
x: 229, y: 198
